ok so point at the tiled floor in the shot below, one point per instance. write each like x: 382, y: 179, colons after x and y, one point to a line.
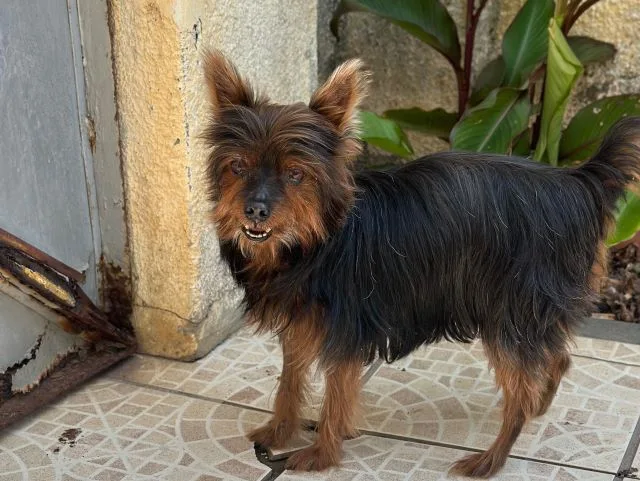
x: 154, y: 419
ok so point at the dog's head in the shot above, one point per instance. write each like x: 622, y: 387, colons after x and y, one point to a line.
x: 279, y: 174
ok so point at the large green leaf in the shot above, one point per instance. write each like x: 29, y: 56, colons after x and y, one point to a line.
x: 428, y: 20
x: 384, y: 133
x: 492, y: 125
x: 489, y: 78
x: 436, y: 122
x: 524, y: 44
x: 627, y: 219
x: 563, y: 71
x: 588, y: 127
x: 521, y: 145
x: 590, y: 51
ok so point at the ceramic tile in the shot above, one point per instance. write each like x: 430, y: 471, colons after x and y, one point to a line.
x: 446, y: 393
x: 244, y: 369
x: 607, y: 350
x: 123, y: 432
x: 371, y: 458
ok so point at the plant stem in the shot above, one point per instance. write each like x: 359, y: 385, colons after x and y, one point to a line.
x: 464, y: 77
x: 575, y: 12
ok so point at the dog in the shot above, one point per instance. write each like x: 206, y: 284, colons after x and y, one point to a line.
x: 349, y: 266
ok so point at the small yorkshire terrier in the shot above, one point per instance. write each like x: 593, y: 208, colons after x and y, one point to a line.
x: 347, y: 266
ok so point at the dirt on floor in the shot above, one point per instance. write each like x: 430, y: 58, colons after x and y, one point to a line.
x: 620, y: 292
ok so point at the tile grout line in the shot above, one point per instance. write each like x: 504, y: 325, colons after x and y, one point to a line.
x: 584, y: 356
x: 376, y: 433
x: 630, y: 453
x: 477, y: 450
x: 199, y: 397
x: 371, y: 371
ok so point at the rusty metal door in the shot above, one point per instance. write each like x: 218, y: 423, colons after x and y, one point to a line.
x: 46, y: 192
x: 50, y: 243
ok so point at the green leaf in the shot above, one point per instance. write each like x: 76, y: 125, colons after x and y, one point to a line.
x: 524, y: 44
x: 428, y: 20
x: 521, y: 145
x: 436, y: 122
x: 590, y: 51
x: 492, y: 125
x: 627, y: 219
x: 384, y: 133
x: 563, y: 71
x: 588, y: 127
x: 489, y: 78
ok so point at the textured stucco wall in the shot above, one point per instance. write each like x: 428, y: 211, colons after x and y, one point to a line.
x: 184, y: 299
x: 408, y: 73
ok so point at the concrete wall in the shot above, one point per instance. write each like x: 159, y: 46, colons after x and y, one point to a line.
x: 408, y: 73
x: 184, y: 300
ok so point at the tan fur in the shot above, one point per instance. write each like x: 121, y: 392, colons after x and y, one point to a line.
x: 301, y: 344
x: 527, y: 392
x: 340, y: 96
x: 337, y: 419
x: 599, y: 268
x: 226, y: 85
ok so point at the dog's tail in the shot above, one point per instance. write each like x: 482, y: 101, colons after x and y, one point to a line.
x: 615, y: 166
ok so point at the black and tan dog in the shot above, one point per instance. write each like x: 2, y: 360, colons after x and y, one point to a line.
x: 348, y: 266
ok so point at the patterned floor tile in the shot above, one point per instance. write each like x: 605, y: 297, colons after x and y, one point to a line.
x: 244, y: 369
x: 371, y: 458
x: 445, y: 393
x: 607, y: 350
x: 118, y: 432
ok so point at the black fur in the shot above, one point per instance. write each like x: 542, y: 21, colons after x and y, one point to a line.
x: 456, y: 246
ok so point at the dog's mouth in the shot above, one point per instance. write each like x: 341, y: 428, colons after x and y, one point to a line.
x: 256, y: 235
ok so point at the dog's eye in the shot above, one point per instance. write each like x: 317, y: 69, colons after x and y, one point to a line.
x: 236, y: 167
x: 294, y: 176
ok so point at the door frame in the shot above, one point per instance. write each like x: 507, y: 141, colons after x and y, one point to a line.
x: 96, y: 89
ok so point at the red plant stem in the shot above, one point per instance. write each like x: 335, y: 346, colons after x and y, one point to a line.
x: 464, y: 77
x: 573, y: 16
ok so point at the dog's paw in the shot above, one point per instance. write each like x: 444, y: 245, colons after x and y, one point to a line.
x: 480, y: 465
x: 313, y: 458
x: 273, y: 434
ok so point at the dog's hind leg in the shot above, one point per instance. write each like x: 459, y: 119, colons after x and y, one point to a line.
x: 523, y: 388
x: 300, y: 348
x: 337, y: 419
x: 558, y: 367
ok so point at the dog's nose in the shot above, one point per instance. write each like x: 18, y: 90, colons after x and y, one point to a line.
x: 257, y: 211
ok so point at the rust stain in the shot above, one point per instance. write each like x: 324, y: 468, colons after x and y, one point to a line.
x: 91, y: 133
x: 116, y: 293
x: 61, y: 293
x: 58, y: 291
x: 9, y: 240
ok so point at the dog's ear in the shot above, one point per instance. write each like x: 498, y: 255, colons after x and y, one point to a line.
x: 226, y: 86
x: 339, y: 97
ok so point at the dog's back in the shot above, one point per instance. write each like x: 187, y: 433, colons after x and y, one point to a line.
x: 457, y: 245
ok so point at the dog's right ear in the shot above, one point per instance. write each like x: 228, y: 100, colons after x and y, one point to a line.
x: 226, y: 86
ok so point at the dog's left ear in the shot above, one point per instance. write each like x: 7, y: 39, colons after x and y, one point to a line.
x: 339, y: 97
x: 226, y: 85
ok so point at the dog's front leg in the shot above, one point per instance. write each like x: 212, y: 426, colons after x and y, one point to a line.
x: 299, y: 352
x: 337, y: 419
